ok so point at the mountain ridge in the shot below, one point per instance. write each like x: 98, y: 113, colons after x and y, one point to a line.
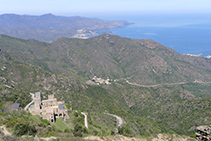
x: 62, y: 68
x: 139, y: 61
x: 49, y: 27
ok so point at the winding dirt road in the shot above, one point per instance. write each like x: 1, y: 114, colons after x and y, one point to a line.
x: 166, y: 84
x: 119, y: 119
x: 85, y: 119
x: 5, y: 131
x: 27, y: 106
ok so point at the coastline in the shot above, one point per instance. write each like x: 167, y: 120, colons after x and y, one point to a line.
x: 84, y: 34
x: 88, y: 33
x: 199, y: 55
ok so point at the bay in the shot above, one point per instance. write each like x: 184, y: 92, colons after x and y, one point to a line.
x: 186, y: 34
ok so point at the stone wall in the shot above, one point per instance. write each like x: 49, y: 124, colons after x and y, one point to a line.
x: 49, y: 109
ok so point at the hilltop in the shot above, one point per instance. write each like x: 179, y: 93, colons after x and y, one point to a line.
x: 144, y: 62
x: 49, y: 27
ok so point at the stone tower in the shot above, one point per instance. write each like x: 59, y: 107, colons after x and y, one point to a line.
x: 37, y: 100
x: 50, y: 96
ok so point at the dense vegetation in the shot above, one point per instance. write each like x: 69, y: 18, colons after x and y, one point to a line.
x: 139, y: 61
x: 62, y: 68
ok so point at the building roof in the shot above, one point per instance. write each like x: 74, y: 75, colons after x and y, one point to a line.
x: 37, y: 93
x: 32, y: 106
x: 61, y: 106
x: 59, y: 102
x: 16, y: 105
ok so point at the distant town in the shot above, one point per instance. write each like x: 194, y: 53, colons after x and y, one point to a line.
x: 199, y: 55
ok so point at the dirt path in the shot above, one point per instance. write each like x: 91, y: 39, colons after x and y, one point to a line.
x: 5, y: 131
x: 27, y: 106
x: 166, y: 84
x: 49, y: 138
x: 119, y: 119
x: 85, y: 119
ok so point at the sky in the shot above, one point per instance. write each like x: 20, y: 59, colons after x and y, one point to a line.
x: 86, y: 7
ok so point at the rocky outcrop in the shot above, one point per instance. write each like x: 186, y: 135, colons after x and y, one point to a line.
x: 113, y: 138
x: 203, y: 133
x: 160, y: 137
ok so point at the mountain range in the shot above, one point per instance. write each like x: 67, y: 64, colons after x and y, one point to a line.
x: 153, y: 88
x: 144, y: 62
x: 49, y: 27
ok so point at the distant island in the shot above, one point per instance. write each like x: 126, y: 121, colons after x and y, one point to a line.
x: 49, y: 27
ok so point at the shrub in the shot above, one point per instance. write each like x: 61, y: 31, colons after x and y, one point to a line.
x: 79, y: 130
x: 67, y: 105
x: 95, y: 132
x: 66, y: 130
x: 125, y: 131
x: 76, y: 114
x: 32, y: 130
x: 46, y: 122
x: 23, y: 129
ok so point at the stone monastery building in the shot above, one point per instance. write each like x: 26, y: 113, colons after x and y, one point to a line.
x: 49, y: 109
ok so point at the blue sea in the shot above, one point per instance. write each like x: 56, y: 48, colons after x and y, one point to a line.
x: 186, y: 34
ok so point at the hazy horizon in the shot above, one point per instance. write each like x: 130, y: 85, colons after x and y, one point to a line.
x: 109, y: 7
x: 148, y: 20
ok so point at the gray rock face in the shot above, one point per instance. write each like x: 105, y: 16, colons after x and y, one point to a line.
x: 203, y: 133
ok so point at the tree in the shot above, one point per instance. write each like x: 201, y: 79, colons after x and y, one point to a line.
x: 125, y: 131
x: 23, y: 129
x: 78, y: 131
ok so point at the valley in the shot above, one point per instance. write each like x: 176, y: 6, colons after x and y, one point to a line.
x: 153, y: 89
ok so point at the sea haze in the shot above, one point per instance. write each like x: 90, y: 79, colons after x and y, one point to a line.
x: 187, y: 34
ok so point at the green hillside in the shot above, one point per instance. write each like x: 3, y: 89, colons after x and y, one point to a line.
x: 156, y: 90
x: 139, y: 61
